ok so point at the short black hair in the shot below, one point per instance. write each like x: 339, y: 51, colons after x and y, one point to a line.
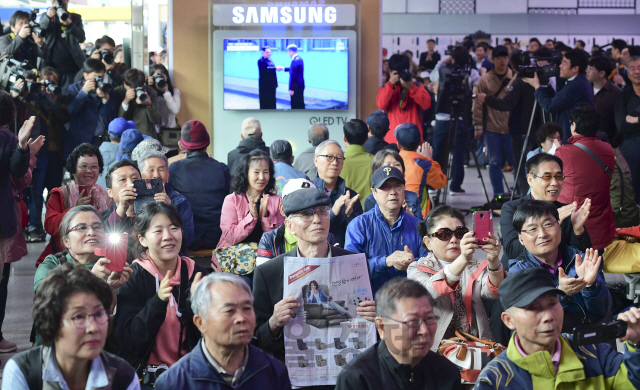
x: 581, y: 42
x: 159, y: 67
x: 396, y: 289
x: 579, y: 58
x: 427, y: 225
x: 541, y: 158
x: 60, y: 284
x: 7, y: 108
x: 17, y: 16
x: 460, y: 55
x: 549, y: 40
x: 543, y: 52
x: 516, y: 59
x: 431, y: 40
x: 547, y: 130
x: 587, y: 119
x: 507, y: 40
x: 399, y: 62
x: 84, y: 149
x: 634, y: 51
x: 93, y: 65
x: 601, y: 63
x: 143, y: 220
x: 104, y: 39
x: 356, y: 132
x: 534, y: 39
x: 618, y: 44
x: 134, y: 78
x: 119, y: 164
x: 240, y: 176
x: 533, y: 209
x: 265, y: 48
x: 482, y: 45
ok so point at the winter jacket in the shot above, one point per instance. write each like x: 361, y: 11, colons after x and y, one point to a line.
x: 625, y: 210
x: 73, y: 38
x: 245, y: 147
x: 585, y: 178
x: 519, y: 100
x: 409, y: 196
x: 283, y: 172
x: 375, y: 144
x: 389, y: 99
x: 23, y: 49
x: 145, y: 117
x: 339, y: 222
x: 597, y: 302
x: 370, y: 234
x: 588, y: 367
x: 204, y: 182
x: 486, y: 117
x: 194, y: 372
x: 108, y: 152
x: 13, y: 162
x: 356, y: 171
x: 420, y: 172
x: 18, y: 247
x: 272, y: 243
x: 627, y: 103
x: 237, y: 222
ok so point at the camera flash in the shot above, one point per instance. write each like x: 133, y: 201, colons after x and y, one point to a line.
x: 114, y: 238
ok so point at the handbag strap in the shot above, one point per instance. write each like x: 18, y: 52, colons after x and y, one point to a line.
x: 595, y: 157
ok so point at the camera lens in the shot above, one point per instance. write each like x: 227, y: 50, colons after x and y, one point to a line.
x: 62, y: 13
x: 141, y: 94
x: 107, y: 56
x: 159, y: 81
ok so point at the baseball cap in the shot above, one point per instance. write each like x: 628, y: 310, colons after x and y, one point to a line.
x: 251, y: 126
x: 407, y: 133
x: 118, y: 126
x: 295, y: 185
x: 378, y: 120
x: 281, y: 150
x: 160, y: 50
x: 385, y: 173
x: 303, y: 199
x: 523, y: 287
x: 500, y: 50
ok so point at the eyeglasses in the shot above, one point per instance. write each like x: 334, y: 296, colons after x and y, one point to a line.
x: 307, y: 215
x: 548, y: 176
x: 332, y: 158
x: 83, y: 228
x: 85, y: 167
x: 414, y: 324
x: 547, y: 226
x: 81, y: 321
x: 445, y: 234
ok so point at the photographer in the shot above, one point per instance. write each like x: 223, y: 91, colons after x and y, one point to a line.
x: 105, y: 50
x: 91, y: 108
x: 400, y: 98
x: 139, y: 103
x: 23, y: 44
x: 63, y: 39
x: 169, y: 96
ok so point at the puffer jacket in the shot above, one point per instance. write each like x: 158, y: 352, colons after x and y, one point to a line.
x: 496, y: 121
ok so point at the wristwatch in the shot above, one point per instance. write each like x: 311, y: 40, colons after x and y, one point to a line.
x: 592, y: 287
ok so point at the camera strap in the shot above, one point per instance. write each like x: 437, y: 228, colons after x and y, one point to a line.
x: 505, y: 81
x: 595, y: 157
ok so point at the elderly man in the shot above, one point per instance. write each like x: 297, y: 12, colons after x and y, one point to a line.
x: 307, y: 212
x: 155, y: 165
x: 357, y: 164
x: 251, y: 135
x: 402, y: 359
x: 386, y: 234
x: 223, y: 312
x: 345, y: 205
x: 119, y: 181
x: 576, y: 273
x: 317, y: 133
x: 539, y: 357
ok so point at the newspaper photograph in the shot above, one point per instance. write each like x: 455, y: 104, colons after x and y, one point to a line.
x: 325, y: 332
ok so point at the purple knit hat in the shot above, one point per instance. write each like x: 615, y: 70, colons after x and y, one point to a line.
x: 194, y: 136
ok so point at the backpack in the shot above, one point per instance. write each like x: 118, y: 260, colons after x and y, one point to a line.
x: 623, y: 201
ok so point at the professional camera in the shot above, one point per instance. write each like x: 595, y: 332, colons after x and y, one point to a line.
x: 530, y: 68
x: 107, y: 56
x: 102, y: 84
x: 455, y: 85
x: 52, y: 87
x: 159, y: 81
x: 405, y: 75
x: 35, y: 26
x: 62, y: 13
x: 12, y: 71
x: 151, y: 373
x: 141, y: 94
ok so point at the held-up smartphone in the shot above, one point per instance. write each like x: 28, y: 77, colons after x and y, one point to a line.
x: 482, y: 226
x: 145, y: 190
x: 86, y: 189
x: 115, y: 250
x: 599, y: 334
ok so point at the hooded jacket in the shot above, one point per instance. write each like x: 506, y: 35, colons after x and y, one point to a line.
x: 245, y: 146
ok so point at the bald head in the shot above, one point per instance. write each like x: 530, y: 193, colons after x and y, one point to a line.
x: 318, y: 133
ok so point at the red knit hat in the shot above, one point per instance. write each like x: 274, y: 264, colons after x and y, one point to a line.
x: 194, y: 136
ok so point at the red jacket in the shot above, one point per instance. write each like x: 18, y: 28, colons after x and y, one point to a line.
x: 584, y: 178
x: 388, y: 99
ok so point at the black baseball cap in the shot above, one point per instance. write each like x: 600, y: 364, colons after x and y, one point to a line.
x: 385, y: 173
x: 378, y: 120
x: 304, y: 198
x: 281, y: 150
x: 500, y: 50
x: 407, y: 133
x: 523, y: 287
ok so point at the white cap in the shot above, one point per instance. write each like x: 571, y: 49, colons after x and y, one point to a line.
x: 160, y: 50
x: 296, y: 184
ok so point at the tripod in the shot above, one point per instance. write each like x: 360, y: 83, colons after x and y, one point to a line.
x: 524, y: 147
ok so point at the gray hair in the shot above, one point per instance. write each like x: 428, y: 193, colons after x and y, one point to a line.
x: 634, y: 58
x: 201, y: 297
x: 65, y: 224
x: 152, y: 154
x: 320, y: 148
x: 394, y: 290
x: 317, y: 133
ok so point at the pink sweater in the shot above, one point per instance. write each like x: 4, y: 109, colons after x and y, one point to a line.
x: 237, y: 222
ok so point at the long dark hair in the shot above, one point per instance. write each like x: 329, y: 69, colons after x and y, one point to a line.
x: 165, y: 72
x: 142, y: 223
x: 240, y: 181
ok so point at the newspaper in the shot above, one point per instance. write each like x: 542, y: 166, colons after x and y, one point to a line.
x: 325, y: 333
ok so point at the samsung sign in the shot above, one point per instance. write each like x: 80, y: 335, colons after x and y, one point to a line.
x: 255, y: 15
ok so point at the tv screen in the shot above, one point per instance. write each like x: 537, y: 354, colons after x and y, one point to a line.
x: 283, y: 74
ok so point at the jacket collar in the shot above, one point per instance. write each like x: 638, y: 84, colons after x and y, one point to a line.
x: 189, y: 154
x: 251, y: 144
x: 579, y: 138
x: 410, y: 154
x: 568, y: 256
x: 353, y: 150
x: 396, y: 225
x: 340, y: 186
x: 402, y: 373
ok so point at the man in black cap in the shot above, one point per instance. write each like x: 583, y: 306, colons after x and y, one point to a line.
x: 307, y: 212
x: 539, y: 357
x: 282, y: 156
x: 378, y: 123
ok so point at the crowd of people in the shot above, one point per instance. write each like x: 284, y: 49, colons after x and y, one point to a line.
x: 163, y: 320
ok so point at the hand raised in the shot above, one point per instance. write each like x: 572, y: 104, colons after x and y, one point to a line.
x: 492, y: 247
x: 570, y: 286
x: 425, y: 150
x: 632, y: 317
x: 25, y: 133
x: 35, y: 145
x: 580, y: 215
x: 468, y: 246
x: 566, y: 211
x: 164, y: 291
x: 196, y: 280
x: 349, y: 202
x: 264, y: 203
x: 337, y: 205
x: 588, y: 268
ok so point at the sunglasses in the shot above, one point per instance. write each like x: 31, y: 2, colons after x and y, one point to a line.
x: 445, y: 234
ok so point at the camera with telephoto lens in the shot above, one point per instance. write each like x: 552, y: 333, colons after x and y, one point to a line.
x: 141, y: 94
x: 11, y: 71
x: 530, y: 68
x: 405, y: 75
x: 52, y: 87
x: 107, y: 56
x: 159, y: 81
x: 102, y: 84
x: 455, y: 86
x: 62, y: 13
x: 35, y: 26
x: 150, y: 374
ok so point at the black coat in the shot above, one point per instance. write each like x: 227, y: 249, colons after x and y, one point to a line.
x: 245, y: 147
x: 13, y: 161
x: 296, y: 74
x: 375, y: 144
x: 23, y: 49
x: 429, y: 65
x: 268, y: 79
x: 267, y: 291
x: 72, y: 40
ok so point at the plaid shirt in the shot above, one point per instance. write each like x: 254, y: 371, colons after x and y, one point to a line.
x: 604, y: 102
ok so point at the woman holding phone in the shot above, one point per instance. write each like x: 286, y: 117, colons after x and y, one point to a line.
x: 85, y: 164
x: 154, y: 320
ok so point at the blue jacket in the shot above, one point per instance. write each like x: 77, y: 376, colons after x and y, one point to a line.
x: 409, y: 196
x: 181, y: 203
x: 370, y: 234
x: 108, y: 152
x: 312, y: 299
x: 284, y: 172
x: 89, y: 117
x: 597, y: 301
x: 562, y: 102
x: 272, y: 243
x: 339, y: 222
x: 194, y: 372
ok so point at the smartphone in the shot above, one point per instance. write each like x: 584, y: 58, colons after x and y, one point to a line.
x: 115, y: 250
x: 600, y: 333
x: 482, y: 226
x: 86, y: 189
x: 145, y: 190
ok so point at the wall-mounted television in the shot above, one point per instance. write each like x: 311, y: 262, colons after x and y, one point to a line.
x: 286, y: 73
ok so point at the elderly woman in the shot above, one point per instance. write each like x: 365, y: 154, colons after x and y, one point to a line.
x: 386, y: 157
x: 85, y: 164
x: 154, y: 322
x: 71, y: 312
x: 455, y: 281
x: 316, y: 295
